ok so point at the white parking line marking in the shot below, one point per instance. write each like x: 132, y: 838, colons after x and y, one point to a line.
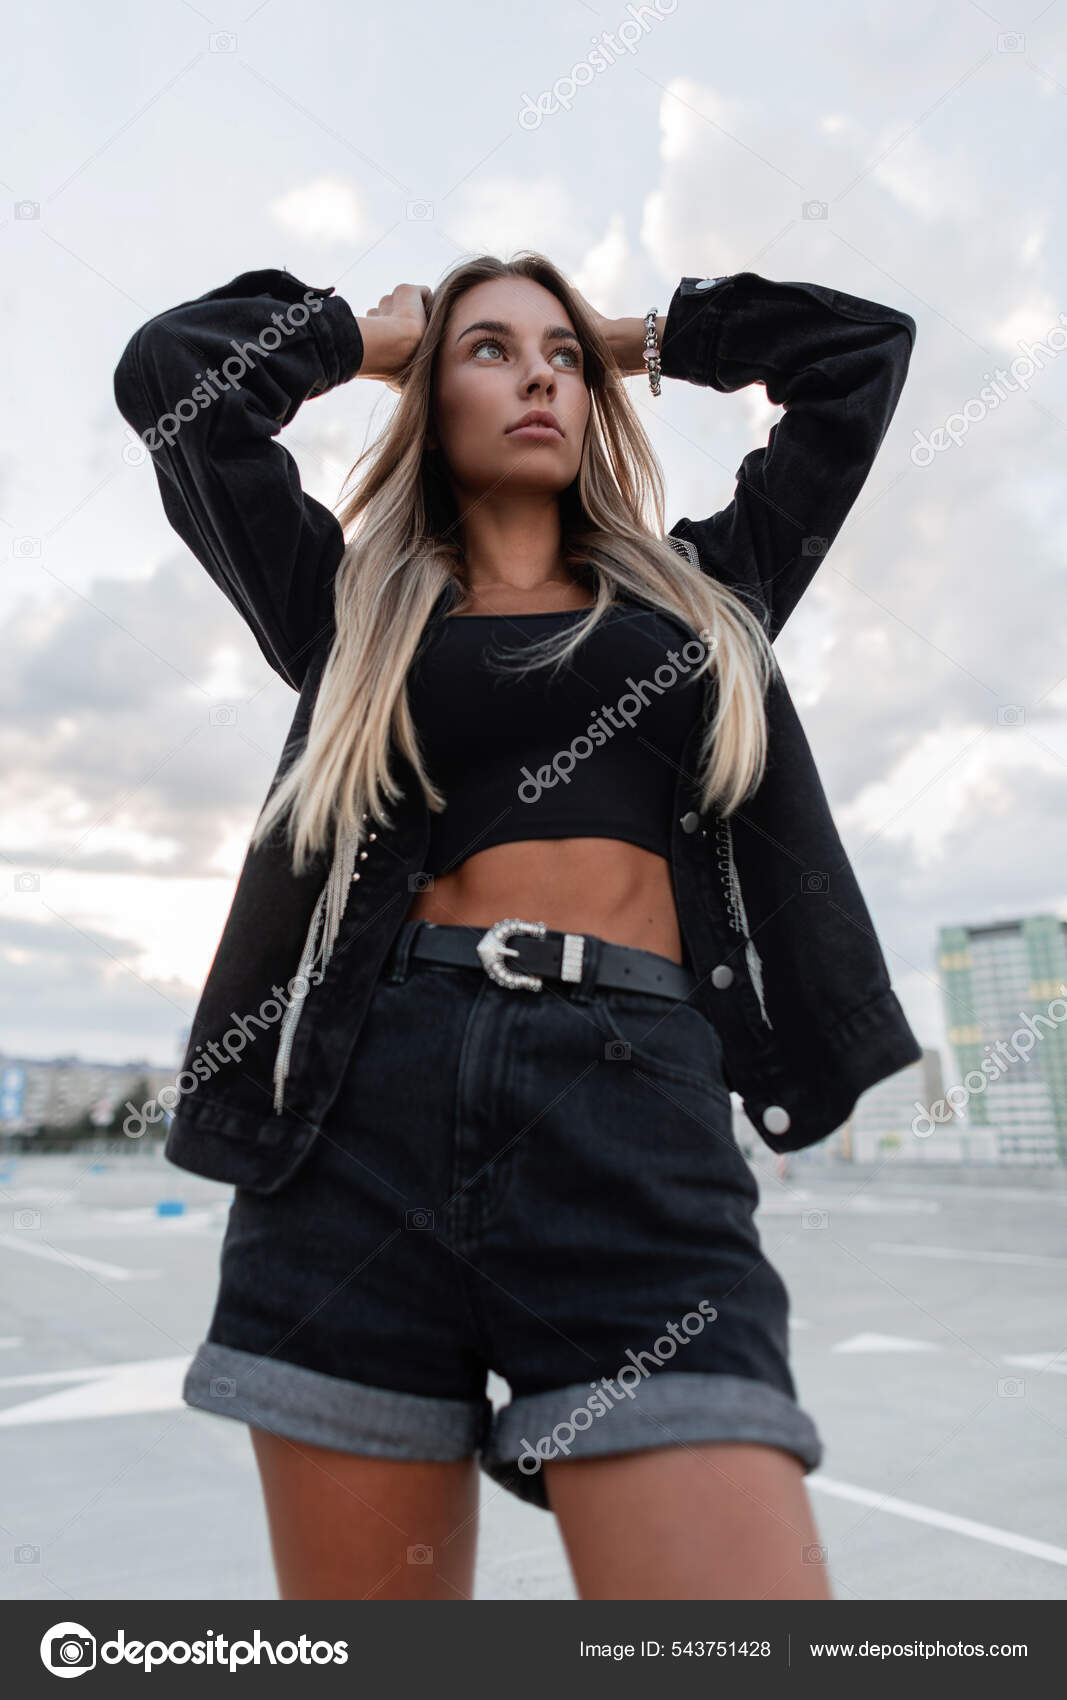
x: 1055, y: 1361
x: 109, y: 1390
x: 41, y: 1377
x: 940, y: 1519
x: 1029, y: 1259
x: 53, y: 1254
x: 793, y: 1203
x: 884, y: 1343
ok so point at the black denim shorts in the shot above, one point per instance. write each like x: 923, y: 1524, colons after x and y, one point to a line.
x: 543, y: 1183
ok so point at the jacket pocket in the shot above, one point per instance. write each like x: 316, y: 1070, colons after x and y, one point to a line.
x: 224, y: 1143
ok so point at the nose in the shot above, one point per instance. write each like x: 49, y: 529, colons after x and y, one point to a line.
x: 541, y: 376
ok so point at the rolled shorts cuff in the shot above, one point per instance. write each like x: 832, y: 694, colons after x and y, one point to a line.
x: 673, y: 1408
x: 326, y: 1410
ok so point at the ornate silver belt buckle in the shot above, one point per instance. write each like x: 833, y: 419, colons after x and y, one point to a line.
x: 492, y: 948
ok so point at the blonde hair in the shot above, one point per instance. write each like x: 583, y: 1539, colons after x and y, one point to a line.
x: 404, y: 545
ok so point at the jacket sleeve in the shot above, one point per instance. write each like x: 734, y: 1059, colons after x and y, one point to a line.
x: 207, y: 386
x: 837, y: 364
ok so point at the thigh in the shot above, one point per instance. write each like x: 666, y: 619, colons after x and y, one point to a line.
x: 702, y: 1522
x: 347, y: 1527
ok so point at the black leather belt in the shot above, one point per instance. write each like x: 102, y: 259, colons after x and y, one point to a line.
x: 521, y: 954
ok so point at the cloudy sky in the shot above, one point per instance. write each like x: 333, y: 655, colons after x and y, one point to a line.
x: 153, y: 152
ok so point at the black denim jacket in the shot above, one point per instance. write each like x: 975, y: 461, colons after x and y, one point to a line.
x: 788, y: 965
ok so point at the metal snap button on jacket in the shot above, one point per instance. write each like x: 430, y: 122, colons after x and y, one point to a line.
x: 721, y: 977
x: 690, y: 822
x: 776, y: 1120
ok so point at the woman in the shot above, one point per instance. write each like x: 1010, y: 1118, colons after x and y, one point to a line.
x: 524, y: 1159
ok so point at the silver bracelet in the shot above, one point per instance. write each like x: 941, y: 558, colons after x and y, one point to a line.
x: 651, y: 352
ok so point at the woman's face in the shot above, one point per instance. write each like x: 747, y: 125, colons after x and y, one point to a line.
x: 509, y: 349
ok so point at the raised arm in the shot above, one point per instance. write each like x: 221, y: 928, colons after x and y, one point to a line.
x: 837, y: 364
x: 208, y: 385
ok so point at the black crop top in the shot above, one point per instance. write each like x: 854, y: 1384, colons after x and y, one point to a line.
x: 588, y: 751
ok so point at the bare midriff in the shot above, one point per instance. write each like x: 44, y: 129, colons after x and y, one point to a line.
x: 605, y: 886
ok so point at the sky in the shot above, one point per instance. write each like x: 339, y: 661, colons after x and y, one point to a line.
x: 909, y: 156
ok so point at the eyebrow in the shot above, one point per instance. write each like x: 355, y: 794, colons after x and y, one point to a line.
x: 500, y: 327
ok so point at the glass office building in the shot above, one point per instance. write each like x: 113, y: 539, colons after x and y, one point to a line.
x: 1005, y: 991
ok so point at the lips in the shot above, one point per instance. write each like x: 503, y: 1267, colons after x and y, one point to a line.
x: 537, y: 418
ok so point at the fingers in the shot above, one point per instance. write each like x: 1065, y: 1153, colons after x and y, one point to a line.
x: 404, y: 298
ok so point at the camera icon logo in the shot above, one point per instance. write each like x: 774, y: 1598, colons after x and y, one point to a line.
x: 68, y: 1649
x: 420, y: 882
x: 135, y: 452
x: 27, y: 882
x: 617, y: 1050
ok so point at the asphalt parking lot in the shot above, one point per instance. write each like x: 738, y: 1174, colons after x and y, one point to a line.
x: 928, y: 1344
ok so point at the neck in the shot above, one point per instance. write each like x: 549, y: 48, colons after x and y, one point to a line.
x: 512, y: 544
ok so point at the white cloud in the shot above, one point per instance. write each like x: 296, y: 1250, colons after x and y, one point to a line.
x: 330, y: 209
x: 604, y: 276
x: 500, y: 215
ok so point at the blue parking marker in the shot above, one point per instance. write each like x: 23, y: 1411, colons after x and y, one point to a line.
x: 170, y: 1207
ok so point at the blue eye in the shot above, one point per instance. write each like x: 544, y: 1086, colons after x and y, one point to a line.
x: 562, y: 348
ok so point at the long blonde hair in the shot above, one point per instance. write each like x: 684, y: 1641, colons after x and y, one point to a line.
x: 403, y: 538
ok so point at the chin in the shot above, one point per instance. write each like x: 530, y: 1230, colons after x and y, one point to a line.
x: 547, y: 472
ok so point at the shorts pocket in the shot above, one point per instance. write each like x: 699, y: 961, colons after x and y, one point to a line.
x: 667, y: 1039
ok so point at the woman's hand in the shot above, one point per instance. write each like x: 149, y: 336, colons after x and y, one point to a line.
x: 392, y: 332
x: 624, y: 337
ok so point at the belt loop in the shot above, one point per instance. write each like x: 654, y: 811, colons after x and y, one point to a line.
x: 584, y: 989
x: 398, y: 969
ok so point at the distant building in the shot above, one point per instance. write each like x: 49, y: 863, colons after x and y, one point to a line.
x: 61, y: 1089
x: 1005, y: 991
x: 897, y: 1120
